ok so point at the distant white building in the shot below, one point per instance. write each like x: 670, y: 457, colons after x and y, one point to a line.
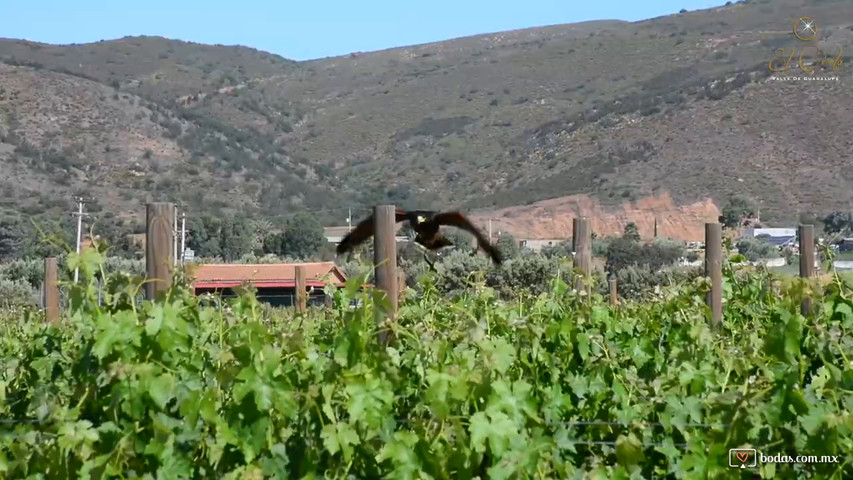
x: 537, y: 244
x: 776, y: 236
x: 335, y: 234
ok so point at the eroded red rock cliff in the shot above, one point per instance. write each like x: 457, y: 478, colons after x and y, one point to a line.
x: 552, y: 218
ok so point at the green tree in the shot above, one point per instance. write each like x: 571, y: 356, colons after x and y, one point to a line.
x: 561, y: 250
x: 664, y: 252
x: 737, y: 211
x: 204, y: 237
x: 12, y: 235
x: 399, y: 195
x: 46, y: 237
x: 838, y: 222
x: 302, y: 237
x: 461, y: 240
x: 261, y: 229
x: 527, y: 273
x: 755, y: 249
x: 272, y: 244
x: 621, y: 253
x: 508, y: 246
x: 624, y: 252
x: 599, y: 246
x: 30, y: 271
x: 632, y: 232
x: 235, y: 238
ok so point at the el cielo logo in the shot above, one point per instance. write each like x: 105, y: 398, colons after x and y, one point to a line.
x: 805, y: 29
x: 811, y: 56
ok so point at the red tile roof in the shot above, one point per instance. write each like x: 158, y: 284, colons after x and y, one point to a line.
x: 269, y: 275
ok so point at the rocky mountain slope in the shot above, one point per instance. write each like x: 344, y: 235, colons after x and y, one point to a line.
x: 552, y: 219
x: 607, y: 113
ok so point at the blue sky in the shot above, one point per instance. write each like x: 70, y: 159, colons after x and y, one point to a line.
x: 308, y: 30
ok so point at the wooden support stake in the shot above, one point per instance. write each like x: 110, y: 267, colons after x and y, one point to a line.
x: 614, y: 296
x: 574, y: 235
x: 301, y: 290
x: 385, y: 256
x: 158, y: 248
x: 51, y: 289
x: 807, y: 261
x: 583, y: 250
x: 714, y: 270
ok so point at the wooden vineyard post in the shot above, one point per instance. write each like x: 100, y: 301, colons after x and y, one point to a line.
x: 714, y: 270
x: 301, y: 290
x: 574, y: 235
x: 583, y: 250
x: 385, y: 257
x: 807, y: 261
x: 614, y: 296
x: 158, y: 248
x: 51, y: 289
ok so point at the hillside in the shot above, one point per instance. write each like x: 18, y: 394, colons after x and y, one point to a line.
x: 553, y: 218
x: 611, y: 113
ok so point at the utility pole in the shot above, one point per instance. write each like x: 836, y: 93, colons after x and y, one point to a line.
x: 183, y: 236
x: 349, y: 219
x: 490, y: 230
x: 79, y: 214
x: 175, y: 237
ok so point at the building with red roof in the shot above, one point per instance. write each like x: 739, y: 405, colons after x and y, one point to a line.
x: 275, y: 282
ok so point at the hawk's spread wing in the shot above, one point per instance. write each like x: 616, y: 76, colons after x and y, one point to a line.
x: 456, y: 219
x: 363, y: 231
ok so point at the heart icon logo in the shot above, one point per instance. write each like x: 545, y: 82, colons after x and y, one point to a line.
x: 742, y: 456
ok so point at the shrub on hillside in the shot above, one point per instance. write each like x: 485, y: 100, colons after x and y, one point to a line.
x: 600, y: 245
x: 641, y: 282
x: 29, y: 271
x: 16, y: 293
x: 528, y: 274
x: 132, y: 267
x: 624, y: 252
x: 755, y: 249
x: 508, y: 245
x: 563, y: 250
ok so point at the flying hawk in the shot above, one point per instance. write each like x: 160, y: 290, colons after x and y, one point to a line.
x: 425, y: 223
